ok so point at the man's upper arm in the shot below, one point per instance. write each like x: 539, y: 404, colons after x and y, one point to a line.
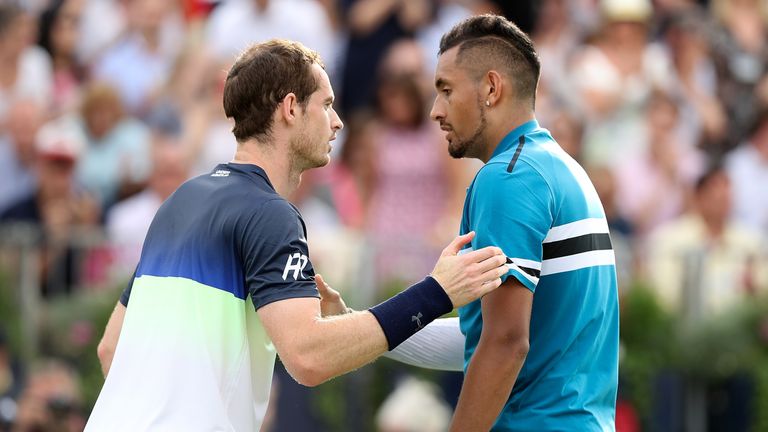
x: 275, y: 255
x: 285, y: 319
x: 514, y: 212
x: 126, y: 294
x: 507, y: 312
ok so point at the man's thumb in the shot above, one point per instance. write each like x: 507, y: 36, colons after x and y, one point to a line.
x: 458, y: 243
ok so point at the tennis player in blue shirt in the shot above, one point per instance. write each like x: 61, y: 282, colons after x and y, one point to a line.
x: 540, y: 352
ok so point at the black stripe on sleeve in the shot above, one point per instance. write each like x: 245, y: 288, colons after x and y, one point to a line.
x: 512, y: 163
x: 575, y: 245
x: 530, y: 271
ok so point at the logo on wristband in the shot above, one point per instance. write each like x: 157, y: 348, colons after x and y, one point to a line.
x: 417, y: 318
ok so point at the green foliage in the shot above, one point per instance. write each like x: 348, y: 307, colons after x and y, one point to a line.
x: 329, y: 403
x: 648, y: 343
x: 760, y: 401
x: 71, y: 330
x: 10, y: 315
x: 708, y: 350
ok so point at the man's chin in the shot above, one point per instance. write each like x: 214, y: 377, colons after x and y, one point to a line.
x: 323, y: 161
x: 457, y: 150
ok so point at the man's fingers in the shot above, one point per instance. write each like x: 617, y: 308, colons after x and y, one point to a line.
x: 321, y: 285
x: 482, y: 254
x: 489, y: 286
x: 496, y: 261
x: 455, y: 246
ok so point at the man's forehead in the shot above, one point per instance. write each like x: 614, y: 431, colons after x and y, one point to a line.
x: 447, y: 68
x: 324, y: 88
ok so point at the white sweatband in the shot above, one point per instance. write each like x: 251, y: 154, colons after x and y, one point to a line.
x: 439, y: 345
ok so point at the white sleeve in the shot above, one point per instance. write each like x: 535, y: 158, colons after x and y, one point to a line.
x: 439, y: 345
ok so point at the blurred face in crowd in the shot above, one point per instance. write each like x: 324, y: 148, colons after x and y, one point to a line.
x: 24, y: 120
x: 458, y: 107
x: 714, y: 198
x: 170, y: 167
x: 317, y: 125
x: 65, y: 32
x: 567, y: 131
x: 553, y: 14
x: 400, y: 101
x: 55, y: 176
x: 102, y: 110
x: 148, y: 15
x: 17, y: 35
x: 605, y: 185
x: 633, y: 33
x: 404, y: 57
x: 50, y: 402
x: 662, y: 117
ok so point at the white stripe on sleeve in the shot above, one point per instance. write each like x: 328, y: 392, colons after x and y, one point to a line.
x: 578, y: 261
x: 578, y: 228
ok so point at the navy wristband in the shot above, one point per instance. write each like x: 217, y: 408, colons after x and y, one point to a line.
x: 408, y: 312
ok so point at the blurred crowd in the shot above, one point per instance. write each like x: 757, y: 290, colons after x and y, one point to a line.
x: 106, y: 106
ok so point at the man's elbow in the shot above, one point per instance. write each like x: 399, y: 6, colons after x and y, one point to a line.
x: 105, y: 351
x: 307, y: 369
x: 514, y: 347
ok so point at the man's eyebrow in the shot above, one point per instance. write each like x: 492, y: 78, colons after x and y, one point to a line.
x: 329, y: 100
x: 440, y: 82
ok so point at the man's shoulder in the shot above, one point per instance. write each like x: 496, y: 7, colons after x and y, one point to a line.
x: 226, y: 184
x: 506, y: 169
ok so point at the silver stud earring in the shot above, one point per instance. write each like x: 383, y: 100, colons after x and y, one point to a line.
x: 487, y: 103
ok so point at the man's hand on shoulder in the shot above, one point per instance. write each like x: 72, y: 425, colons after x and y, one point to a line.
x: 469, y: 276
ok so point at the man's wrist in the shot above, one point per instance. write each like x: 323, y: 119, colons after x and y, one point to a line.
x: 409, y: 311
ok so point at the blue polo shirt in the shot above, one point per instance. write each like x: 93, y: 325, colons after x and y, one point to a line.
x: 537, y: 204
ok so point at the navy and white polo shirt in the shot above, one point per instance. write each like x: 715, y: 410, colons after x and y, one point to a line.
x: 193, y: 354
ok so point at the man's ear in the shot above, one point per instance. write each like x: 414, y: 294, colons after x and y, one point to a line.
x: 494, y: 86
x: 287, y: 109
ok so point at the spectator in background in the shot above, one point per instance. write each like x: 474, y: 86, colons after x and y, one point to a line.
x: 57, y: 206
x: 703, y: 262
x: 748, y: 169
x: 207, y: 131
x: 418, y: 190
x: 741, y: 55
x: 235, y: 24
x: 115, y: 163
x: 102, y: 23
x: 59, y: 32
x: 51, y: 400
x: 17, y: 151
x: 568, y: 130
x: 25, y: 69
x: 653, y: 184
x: 414, y: 406
x: 140, y: 62
x: 128, y: 221
x: 556, y: 36
x: 612, y: 78
x: 694, y: 81
x: 621, y: 230
x: 446, y: 14
x: 340, y: 195
x: 373, y: 26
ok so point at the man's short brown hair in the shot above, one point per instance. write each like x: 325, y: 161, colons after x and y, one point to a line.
x: 260, y: 78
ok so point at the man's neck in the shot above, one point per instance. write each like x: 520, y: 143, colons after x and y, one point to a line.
x: 273, y: 161
x: 502, y: 125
